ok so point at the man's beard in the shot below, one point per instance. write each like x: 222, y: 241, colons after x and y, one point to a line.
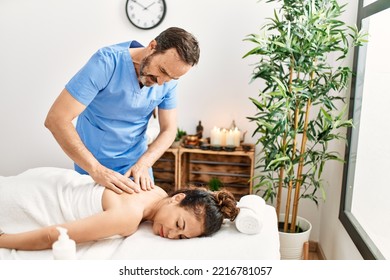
x: 144, y: 77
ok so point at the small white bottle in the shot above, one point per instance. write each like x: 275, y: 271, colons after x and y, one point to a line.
x: 64, y: 248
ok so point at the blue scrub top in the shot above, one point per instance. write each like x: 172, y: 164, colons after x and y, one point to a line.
x: 113, y: 125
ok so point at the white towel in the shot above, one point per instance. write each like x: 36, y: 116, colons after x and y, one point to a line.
x: 251, y: 216
x: 46, y: 196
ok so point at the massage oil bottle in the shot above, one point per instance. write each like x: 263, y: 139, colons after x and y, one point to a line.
x: 64, y: 248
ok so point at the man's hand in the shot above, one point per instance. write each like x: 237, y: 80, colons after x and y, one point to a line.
x: 140, y: 176
x: 114, y: 181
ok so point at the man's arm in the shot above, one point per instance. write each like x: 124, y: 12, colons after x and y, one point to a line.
x: 139, y: 171
x: 59, y: 121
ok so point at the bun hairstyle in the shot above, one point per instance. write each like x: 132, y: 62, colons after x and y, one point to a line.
x: 210, y: 207
x: 227, y: 203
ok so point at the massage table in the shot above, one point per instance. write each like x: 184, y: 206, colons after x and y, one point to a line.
x: 227, y: 244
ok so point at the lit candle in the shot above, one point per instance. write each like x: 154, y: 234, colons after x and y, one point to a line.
x: 236, y: 137
x: 230, y: 138
x: 215, y: 136
x: 223, y: 137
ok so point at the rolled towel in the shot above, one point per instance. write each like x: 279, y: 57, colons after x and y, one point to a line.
x: 251, y: 216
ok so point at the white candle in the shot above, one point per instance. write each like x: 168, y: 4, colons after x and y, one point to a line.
x: 215, y: 136
x: 223, y: 137
x: 230, y: 138
x: 236, y: 137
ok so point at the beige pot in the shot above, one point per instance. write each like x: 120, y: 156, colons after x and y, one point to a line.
x: 291, y: 244
x: 176, y: 144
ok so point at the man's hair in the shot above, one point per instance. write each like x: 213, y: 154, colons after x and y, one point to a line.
x: 185, y: 44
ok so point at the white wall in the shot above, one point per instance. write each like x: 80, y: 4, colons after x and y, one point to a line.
x: 44, y: 42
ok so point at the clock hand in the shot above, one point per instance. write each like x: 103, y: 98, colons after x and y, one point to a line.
x: 135, y: 1
x: 149, y: 6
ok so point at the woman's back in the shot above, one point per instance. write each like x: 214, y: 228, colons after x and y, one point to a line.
x: 43, y: 196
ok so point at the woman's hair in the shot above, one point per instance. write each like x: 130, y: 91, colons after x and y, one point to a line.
x: 185, y: 44
x: 211, y: 207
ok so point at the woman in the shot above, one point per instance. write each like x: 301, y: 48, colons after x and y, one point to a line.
x: 184, y: 214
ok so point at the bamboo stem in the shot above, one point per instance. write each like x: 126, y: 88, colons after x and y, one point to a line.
x: 287, y: 209
x: 300, y: 168
x: 290, y: 183
x: 280, y: 188
x: 281, y: 177
x: 301, y: 160
x: 296, y: 113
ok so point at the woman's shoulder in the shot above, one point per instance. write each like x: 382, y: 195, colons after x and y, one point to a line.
x: 147, y: 197
x: 160, y: 191
x: 113, y: 200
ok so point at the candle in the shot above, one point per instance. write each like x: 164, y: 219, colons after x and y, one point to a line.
x: 230, y: 138
x: 215, y: 136
x: 236, y: 137
x: 223, y: 137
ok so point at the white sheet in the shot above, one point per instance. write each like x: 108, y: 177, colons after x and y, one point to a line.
x: 228, y: 243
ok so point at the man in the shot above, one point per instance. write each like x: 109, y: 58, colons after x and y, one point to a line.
x: 113, y: 97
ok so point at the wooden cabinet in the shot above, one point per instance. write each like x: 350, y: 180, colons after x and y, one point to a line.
x: 197, y: 167
x: 165, y: 170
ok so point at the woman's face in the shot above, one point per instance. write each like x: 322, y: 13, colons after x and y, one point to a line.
x: 174, y: 222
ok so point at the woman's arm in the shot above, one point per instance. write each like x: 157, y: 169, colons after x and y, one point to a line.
x: 108, y: 223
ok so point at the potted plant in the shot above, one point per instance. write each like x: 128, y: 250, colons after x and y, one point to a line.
x: 215, y: 184
x: 180, y: 133
x: 300, y: 53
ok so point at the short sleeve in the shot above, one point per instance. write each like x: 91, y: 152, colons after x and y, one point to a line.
x: 170, y: 99
x: 92, y: 77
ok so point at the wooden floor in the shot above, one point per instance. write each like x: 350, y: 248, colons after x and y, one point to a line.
x: 313, y: 256
x: 315, y: 252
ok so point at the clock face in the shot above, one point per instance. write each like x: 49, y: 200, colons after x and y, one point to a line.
x: 145, y: 14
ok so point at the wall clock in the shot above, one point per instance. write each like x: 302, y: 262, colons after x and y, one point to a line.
x: 146, y: 14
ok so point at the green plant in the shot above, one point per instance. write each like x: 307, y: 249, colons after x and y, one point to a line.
x: 179, y: 134
x: 215, y: 184
x: 298, y: 113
